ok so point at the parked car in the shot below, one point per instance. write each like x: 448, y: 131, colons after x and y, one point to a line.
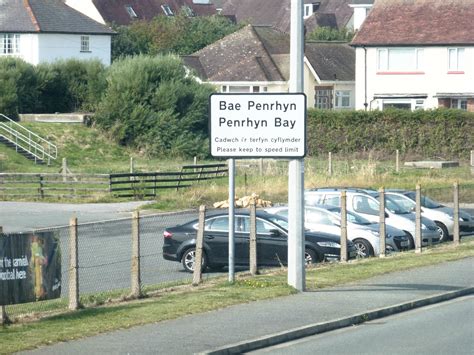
x: 442, y: 215
x: 272, y: 242
x: 366, y: 203
x: 363, y: 233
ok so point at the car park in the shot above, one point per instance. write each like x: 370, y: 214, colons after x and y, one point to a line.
x: 272, y: 242
x: 363, y: 233
x: 366, y: 203
x: 442, y: 215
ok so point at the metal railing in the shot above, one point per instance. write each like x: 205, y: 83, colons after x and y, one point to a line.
x: 27, y: 140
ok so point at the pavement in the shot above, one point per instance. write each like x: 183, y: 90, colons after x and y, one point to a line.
x: 245, y: 327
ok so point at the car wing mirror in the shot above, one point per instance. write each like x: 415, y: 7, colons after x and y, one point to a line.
x: 275, y: 233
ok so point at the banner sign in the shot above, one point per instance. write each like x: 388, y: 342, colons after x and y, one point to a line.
x: 265, y: 125
x: 30, y: 267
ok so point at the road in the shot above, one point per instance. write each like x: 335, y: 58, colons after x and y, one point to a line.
x: 444, y: 328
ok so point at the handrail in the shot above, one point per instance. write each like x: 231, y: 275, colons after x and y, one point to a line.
x: 28, y: 140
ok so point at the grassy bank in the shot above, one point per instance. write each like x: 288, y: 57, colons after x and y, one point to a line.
x: 211, y: 295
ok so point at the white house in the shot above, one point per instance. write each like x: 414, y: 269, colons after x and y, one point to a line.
x: 416, y: 54
x: 256, y: 59
x: 41, y: 31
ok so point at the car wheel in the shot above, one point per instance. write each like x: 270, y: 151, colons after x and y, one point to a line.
x: 310, y: 257
x: 443, y: 232
x: 189, y: 257
x: 363, y: 248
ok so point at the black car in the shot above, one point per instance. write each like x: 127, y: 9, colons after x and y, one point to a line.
x: 272, y: 247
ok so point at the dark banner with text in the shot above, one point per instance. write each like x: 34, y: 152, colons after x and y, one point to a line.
x: 30, y: 267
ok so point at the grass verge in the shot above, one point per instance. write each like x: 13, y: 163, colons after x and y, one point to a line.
x: 213, y: 294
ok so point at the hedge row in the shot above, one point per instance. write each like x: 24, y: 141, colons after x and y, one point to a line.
x: 431, y: 133
x: 63, y: 86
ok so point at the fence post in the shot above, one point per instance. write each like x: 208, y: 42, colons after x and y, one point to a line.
x: 64, y: 169
x: 41, y: 186
x: 418, y: 238
x: 343, y: 226
x: 456, y: 236
x: 136, y: 281
x: 253, y: 239
x: 472, y: 157
x: 397, y: 161
x: 73, y: 265
x: 382, y: 228
x: 3, y: 311
x: 330, y: 164
x: 197, y: 274
x: 260, y: 166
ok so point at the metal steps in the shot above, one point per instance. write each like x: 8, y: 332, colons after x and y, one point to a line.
x: 20, y: 150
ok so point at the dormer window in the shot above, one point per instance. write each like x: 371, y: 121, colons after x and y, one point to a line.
x: 131, y: 12
x: 309, y: 9
x: 167, y: 10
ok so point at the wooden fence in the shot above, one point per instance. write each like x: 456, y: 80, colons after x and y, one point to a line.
x: 138, y: 185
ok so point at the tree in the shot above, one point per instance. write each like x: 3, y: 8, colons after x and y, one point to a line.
x: 151, y: 104
x: 330, y: 34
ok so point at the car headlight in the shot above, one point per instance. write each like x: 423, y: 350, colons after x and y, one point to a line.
x: 329, y: 244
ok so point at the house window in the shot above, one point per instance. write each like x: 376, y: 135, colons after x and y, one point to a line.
x: 167, y: 10
x: 399, y: 59
x: 243, y: 89
x: 323, y: 98
x: 9, y: 43
x: 343, y: 99
x: 455, y: 59
x: 460, y: 104
x: 85, y: 44
x: 130, y: 11
x: 404, y: 104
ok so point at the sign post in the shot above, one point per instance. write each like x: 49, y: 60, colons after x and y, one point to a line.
x: 266, y: 125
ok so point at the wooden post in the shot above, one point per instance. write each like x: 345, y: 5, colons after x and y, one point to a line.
x: 136, y: 280
x: 382, y: 228
x: 73, y: 265
x: 343, y: 226
x: 64, y: 169
x: 456, y: 236
x: 397, y: 161
x: 132, y: 165
x: 260, y: 166
x: 41, y: 186
x: 195, y: 162
x: 3, y: 311
x: 197, y: 274
x: 472, y: 157
x: 418, y: 237
x: 330, y: 164
x: 253, y: 239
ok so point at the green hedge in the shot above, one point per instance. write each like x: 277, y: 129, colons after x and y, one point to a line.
x: 431, y: 133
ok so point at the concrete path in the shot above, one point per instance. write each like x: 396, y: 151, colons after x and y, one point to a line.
x: 244, y: 327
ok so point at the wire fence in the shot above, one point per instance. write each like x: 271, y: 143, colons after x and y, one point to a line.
x: 105, y: 256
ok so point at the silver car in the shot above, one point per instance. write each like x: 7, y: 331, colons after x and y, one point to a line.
x: 363, y: 233
x: 442, y: 215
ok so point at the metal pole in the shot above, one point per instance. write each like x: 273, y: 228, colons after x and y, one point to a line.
x: 231, y: 219
x: 456, y: 237
x: 296, y: 271
x: 418, y: 238
x: 343, y: 226
x: 382, y: 228
x: 3, y: 311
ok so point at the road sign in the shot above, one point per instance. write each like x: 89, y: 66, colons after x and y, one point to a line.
x: 263, y: 125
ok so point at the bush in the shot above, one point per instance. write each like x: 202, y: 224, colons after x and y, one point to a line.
x: 18, y: 92
x: 420, y: 133
x: 151, y: 104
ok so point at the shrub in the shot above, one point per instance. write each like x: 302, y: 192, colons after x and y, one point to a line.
x: 18, y: 92
x: 151, y: 104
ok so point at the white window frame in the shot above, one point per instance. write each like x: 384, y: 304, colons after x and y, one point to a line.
x: 415, y: 104
x: 131, y: 11
x: 459, y: 103
x: 339, y: 97
x: 9, y: 44
x: 456, y: 59
x: 167, y: 10
x: 385, y: 64
x: 243, y: 88
x: 85, y: 43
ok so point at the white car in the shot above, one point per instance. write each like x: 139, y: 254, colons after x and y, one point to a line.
x: 363, y: 233
x: 366, y: 204
x: 442, y: 215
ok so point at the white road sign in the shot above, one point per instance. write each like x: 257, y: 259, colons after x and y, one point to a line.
x: 258, y: 125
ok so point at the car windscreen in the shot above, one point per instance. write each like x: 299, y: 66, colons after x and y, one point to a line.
x: 406, y: 203
x: 392, y: 205
x: 425, y: 201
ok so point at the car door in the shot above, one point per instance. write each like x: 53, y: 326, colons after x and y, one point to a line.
x: 272, y: 242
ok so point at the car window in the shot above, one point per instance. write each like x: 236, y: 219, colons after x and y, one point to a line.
x: 221, y: 224
x: 320, y: 217
x: 312, y: 199
x: 365, y: 204
x: 394, y: 206
x: 333, y: 200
